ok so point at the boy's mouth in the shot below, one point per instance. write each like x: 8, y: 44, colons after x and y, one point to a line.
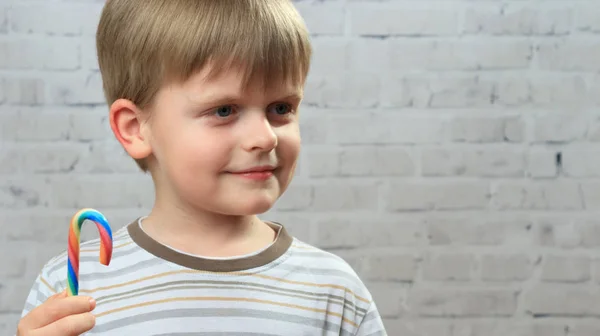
x: 258, y: 173
x: 257, y: 169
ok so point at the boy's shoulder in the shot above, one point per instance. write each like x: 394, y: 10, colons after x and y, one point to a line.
x: 326, y: 267
x: 321, y: 257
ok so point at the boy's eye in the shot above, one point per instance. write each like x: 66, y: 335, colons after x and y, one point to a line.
x: 281, y: 108
x: 224, y: 111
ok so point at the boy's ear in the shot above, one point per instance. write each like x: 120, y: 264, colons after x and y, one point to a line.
x: 128, y: 126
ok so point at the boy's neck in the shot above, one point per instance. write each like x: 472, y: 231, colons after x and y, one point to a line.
x: 207, y: 234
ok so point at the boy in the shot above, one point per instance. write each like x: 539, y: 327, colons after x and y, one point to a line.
x: 204, y: 95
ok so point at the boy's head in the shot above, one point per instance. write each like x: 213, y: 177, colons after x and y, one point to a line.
x: 201, y: 90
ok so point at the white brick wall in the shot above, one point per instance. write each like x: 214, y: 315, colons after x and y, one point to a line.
x: 450, y: 155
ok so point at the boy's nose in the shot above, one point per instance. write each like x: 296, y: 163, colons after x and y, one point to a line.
x: 259, y: 134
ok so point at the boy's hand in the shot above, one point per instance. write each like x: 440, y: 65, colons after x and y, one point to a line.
x: 59, y: 316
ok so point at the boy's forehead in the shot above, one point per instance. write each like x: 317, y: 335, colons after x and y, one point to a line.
x: 230, y: 81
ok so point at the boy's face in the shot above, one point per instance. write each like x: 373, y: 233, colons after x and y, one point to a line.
x: 223, y: 149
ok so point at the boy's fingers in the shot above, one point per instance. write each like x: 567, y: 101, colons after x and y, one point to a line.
x: 56, y: 309
x: 62, y: 294
x: 72, y: 325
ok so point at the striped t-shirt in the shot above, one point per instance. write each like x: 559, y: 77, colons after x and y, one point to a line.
x: 289, y: 288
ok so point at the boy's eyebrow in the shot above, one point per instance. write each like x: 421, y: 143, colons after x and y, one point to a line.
x: 228, y: 98
x: 295, y: 95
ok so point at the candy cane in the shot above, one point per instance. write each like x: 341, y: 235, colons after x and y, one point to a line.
x: 106, y: 245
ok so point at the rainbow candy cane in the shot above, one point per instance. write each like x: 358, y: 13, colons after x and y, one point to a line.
x: 106, y: 245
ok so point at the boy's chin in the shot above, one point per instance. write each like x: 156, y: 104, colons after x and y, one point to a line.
x: 247, y: 207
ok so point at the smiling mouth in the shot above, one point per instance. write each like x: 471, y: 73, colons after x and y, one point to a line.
x: 257, y: 173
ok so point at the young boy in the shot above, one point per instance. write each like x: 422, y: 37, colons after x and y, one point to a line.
x: 204, y: 95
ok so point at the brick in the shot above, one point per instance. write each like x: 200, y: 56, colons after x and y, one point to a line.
x: 581, y: 162
x: 392, y: 232
x: 27, y: 227
x: 560, y: 128
x: 441, y: 91
x: 584, y: 329
x: 591, y: 195
x: 24, y: 54
x: 473, y: 162
x: 556, y: 195
x: 570, y: 55
x: 3, y: 89
x: 442, y: 162
x: 561, y: 300
x: 23, y: 192
x: 589, y: 231
x: 10, y: 292
x: 380, y: 20
x: 388, y: 298
x: 417, y: 327
x: 593, y: 134
x: 337, y: 231
x: 38, y: 254
x: 56, y: 19
x: 41, y: 158
x: 471, y: 54
x: 558, y: 90
x: 106, y: 191
x: 541, y: 163
x: 511, y: 92
x: 392, y: 267
x: 331, y: 56
x: 9, y: 322
x: 387, y: 129
x: 587, y: 17
x: 519, y: 19
x: 93, y: 125
x: 376, y: 161
x: 322, y: 162
x: 506, y: 268
x: 459, y: 302
x: 296, y: 197
x: 417, y: 130
x: 486, y: 129
x: 34, y: 124
x: 14, y: 264
x: 338, y: 197
x: 558, y: 231
x: 103, y: 158
x: 511, y: 327
x: 343, y: 91
x: 479, y: 230
x: 313, y: 129
x: 460, y: 92
x: 89, y: 56
x: 448, y: 267
x: 76, y: 89
x: 322, y: 18
x: 415, y: 196
x: 403, y: 91
x: 360, y: 161
x: 566, y: 269
x: 370, y: 55
x: 596, y: 270
x: 25, y: 91
x: 3, y: 20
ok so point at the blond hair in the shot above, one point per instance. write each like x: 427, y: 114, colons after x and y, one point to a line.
x: 143, y: 45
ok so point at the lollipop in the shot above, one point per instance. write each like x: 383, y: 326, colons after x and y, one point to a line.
x: 106, y: 245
